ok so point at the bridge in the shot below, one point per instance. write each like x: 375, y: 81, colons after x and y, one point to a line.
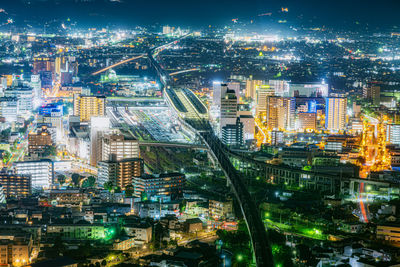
x: 193, y: 115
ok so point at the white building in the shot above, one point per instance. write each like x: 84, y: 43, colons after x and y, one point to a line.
x: 41, y: 172
x: 393, y: 134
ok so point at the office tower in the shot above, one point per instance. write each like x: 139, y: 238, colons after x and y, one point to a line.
x: 232, y: 134
x: 41, y: 172
x: 43, y: 64
x: 393, y: 134
x: 25, y: 98
x: 307, y: 90
x: 87, y: 106
x: 39, y: 141
x: 119, y: 172
x: 263, y: 91
x: 219, y: 91
x: 276, y: 138
x: 167, y: 29
x: 307, y: 121
x: 280, y: 112
x: 335, y: 113
x: 235, y: 86
x: 373, y: 93
x: 228, y: 109
x: 248, y: 124
x: 166, y: 184
x: 120, y: 145
x: 15, y: 185
x: 251, y: 87
x: 281, y: 87
x: 37, y: 89
x: 98, y: 127
x: 9, y: 108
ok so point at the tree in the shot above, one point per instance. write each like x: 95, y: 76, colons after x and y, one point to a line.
x: 61, y: 179
x: 108, y: 186
x: 129, y: 190
x: 76, y: 178
x: 89, y: 182
x: 49, y: 151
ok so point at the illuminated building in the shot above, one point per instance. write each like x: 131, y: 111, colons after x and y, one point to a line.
x: 262, y: 93
x: 251, y: 87
x: 307, y: 121
x: 281, y: 87
x: 235, y: 86
x: 120, y: 145
x: 43, y: 64
x: 228, y: 109
x: 40, y: 171
x: 389, y: 233
x: 15, y: 248
x: 15, y: 185
x: 38, y: 142
x: 121, y: 172
x: 36, y: 85
x: 9, y: 108
x: 280, y: 112
x: 25, y: 98
x: 276, y: 138
x: 335, y: 113
x: 232, y: 134
x: 373, y: 93
x: 166, y: 184
x: 248, y: 124
x: 219, y: 91
x: 220, y: 209
x: 87, y: 106
x: 393, y: 134
x: 78, y: 231
x: 2, y: 195
x: 98, y: 127
x: 307, y: 89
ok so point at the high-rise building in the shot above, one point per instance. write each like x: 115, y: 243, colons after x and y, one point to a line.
x: 25, y: 98
x: 219, y: 91
x: 228, y: 109
x: 15, y: 185
x: 307, y: 121
x: 248, y: 124
x: 38, y: 142
x: 40, y: 171
x: 263, y: 91
x: 335, y: 113
x: 232, y: 134
x: 119, y: 145
x: 120, y: 172
x: 166, y: 184
x: 9, y: 108
x: 393, y: 134
x: 276, y: 138
x: 373, y: 93
x: 98, y: 127
x: 87, y: 106
x: 251, y: 87
x: 280, y: 112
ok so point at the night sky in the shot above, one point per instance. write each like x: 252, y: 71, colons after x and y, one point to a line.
x: 333, y: 13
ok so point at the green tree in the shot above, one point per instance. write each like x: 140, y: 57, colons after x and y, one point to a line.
x: 76, y: 178
x: 129, y: 190
x: 61, y: 179
x: 108, y: 186
x: 89, y: 182
x: 50, y: 151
